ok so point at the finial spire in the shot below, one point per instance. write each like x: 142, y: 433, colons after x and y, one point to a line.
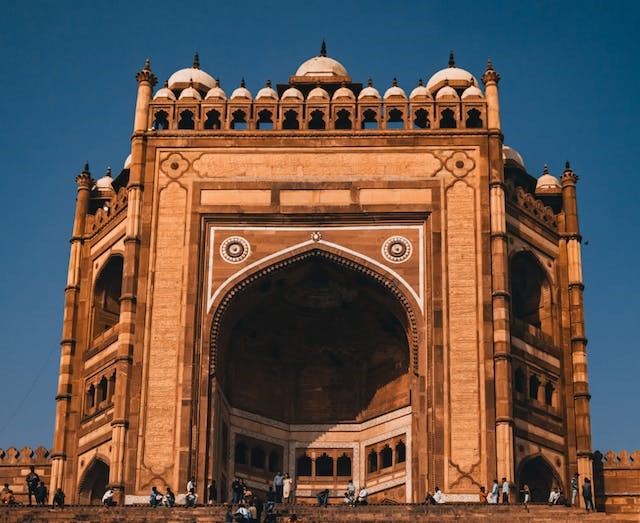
x: 452, y: 61
x: 545, y: 169
x: 196, y: 61
x: 242, y: 83
x: 420, y: 82
x: 147, y: 65
x: 489, y: 65
x: 85, y: 170
x: 395, y: 82
x: 166, y: 83
x: 323, y: 48
x: 268, y: 83
x: 566, y: 165
x: 109, y: 172
x: 369, y: 82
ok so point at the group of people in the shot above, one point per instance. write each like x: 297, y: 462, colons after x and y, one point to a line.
x: 36, y: 489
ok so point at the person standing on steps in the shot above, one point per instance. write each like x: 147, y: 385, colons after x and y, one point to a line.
x: 574, y: 489
x: 587, y: 494
x: 505, y: 491
x: 278, y: 485
x: 33, y: 480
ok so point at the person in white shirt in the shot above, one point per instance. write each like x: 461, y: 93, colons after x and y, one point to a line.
x: 554, y: 495
x: 438, y: 496
x: 362, y: 496
x: 107, y: 499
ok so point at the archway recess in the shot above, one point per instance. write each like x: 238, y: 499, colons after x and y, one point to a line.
x: 540, y: 476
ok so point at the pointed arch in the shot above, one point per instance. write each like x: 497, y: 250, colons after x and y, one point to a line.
x: 540, y: 475
x: 94, y: 482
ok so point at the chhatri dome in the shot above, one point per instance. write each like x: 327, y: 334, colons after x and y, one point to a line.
x: 322, y: 66
x: 452, y: 76
x: 183, y: 78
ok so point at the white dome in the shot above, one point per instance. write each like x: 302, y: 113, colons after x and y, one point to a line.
x: 182, y: 78
x: 394, y: 91
x: 472, y: 92
x: 164, y: 93
x: 241, y: 92
x: 420, y: 92
x: 369, y: 92
x: 321, y: 66
x: 292, y: 92
x: 344, y: 92
x: 452, y: 76
x: 511, y: 154
x: 318, y: 92
x: 447, y: 92
x: 267, y: 92
x: 127, y: 162
x: 547, y: 181
x: 216, y: 92
x: 190, y: 92
x: 105, y: 184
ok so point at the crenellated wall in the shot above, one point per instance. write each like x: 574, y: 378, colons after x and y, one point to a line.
x: 617, y: 482
x: 14, y: 467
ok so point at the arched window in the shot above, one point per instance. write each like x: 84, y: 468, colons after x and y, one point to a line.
x: 344, y: 119
x: 241, y: 453
x: 257, y: 457
x: 421, y: 120
x: 369, y: 119
x: 530, y: 292
x: 112, y: 386
x: 290, y: 120
x: 160, y: 121
x: 106, y: 296
x: 519, y: 380
x: 386, y: 457
x: 102, y: 390
x: 213, y: 120
x: 186, y: 120
x: 239, y: 121
x: 473, y: 119
x: 394, y: 120
x: 90, y: 398
x: 317, y: 120
x: 372, y: 461
x: 534, y: 385
x: 343, y: 465
x: 548, y: 394
x: 401, y: 452
x: 324, y: 465
x: 448, y: 120
x: 274, y: 461
x: 265, y: 121
x: 303, y: 466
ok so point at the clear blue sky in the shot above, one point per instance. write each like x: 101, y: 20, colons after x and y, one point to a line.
x: 570, y: 78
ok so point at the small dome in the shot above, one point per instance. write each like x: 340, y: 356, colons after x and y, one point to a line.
x: 547, y: 181
x: 190, y: 93
x: 369, y: 92
x: 452, y: 76
x: 216, y: 93
x: 164, y: 93
x: 182, y: 78
x: 267, y: 92
x: 127, y: 162
x: 420, y: 92
x: 292, y: 92
x: 394, y: 91
x: 241, y: 92
x: 472, y: 92
x: 321, y: 65
x: 318, y: 92
x: 447, y: 93
x: 105, y: 184
x: 509, y: 154
x: 344, y: 93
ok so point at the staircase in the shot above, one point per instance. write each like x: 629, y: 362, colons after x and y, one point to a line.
x: 471, y: 513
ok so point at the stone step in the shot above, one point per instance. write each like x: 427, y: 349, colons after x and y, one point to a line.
x: 311, y: 514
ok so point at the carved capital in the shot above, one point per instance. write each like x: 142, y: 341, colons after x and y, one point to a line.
x: 145, y: 75
x: 490, y: 75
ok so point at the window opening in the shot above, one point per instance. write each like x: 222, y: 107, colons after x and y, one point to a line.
x: 213, y: 120
x: 186, y: 120
x: 317, y: 120
x: 369, y: 119
x: 344, y: 119
x: 265, y: 121
x: 304, y: 466
x: 160, y: 121
x: 324, y: 465
x: 239, y: 121
x: 448, y: 120
x: 395, y: 120
x: 421, y: 121
x: 343, y: 465
x: 386, y: 457
x: 290, y: 120
x: 473, y: 119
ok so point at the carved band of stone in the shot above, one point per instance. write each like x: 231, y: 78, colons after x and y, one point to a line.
x: 344, y: 262
x: 397, y: 249
x: 235, y: 249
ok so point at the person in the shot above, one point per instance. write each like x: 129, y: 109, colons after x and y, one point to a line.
x: 191, y: 499
x: 212, y: 492
x: 505, y: 491
x: 58, y: 498
x: 438, y: 497
x: 259, y: 506
x: 242, y: 515
x: 278, y: 485
x: 482, y: 495
x: 33, y: 480
x: 41, y: 493
x: 587, y: 494
x: 107, y: 498
x: 494, y: 492
x: 351, y: 488
x: 553, y: 496
x: 155, y: 497
x: 271, y: 500
x: 429, y: 499
x: 191, y: 484
x: 323, y: 497
x: 562, y: 499
x: 169, y: 498
x: 362, y: 496
x: 253, y: 513
x: 8, y: 497
x: 574, y: 489
x: 348, y: 500
x: 526, y: 494
x: 287, y: 488
x: 228, y: 516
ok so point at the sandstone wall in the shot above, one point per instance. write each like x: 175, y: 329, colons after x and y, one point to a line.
x: 14, y: 467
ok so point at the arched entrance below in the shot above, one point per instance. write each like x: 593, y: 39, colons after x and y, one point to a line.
x: 313, y: 379
x: 541, y: 478
x: 94, y: 483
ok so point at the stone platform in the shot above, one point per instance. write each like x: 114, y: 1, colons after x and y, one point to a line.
x: 311, y: 514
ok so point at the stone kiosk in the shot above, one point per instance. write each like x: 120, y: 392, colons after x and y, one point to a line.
x: 327, y: 281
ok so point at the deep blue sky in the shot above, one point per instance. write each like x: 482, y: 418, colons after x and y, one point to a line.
x: 569, y: 90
